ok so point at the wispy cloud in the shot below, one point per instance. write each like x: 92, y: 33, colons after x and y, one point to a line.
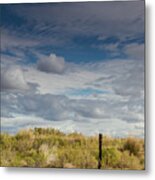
x: 10, y: 39
x: 72, y: 18
x: 60, y: 25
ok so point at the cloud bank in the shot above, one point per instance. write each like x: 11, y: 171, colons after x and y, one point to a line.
x: 111, y: 93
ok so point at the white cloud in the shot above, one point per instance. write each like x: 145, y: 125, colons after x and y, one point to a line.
x: 135, y: 50
x: 52, y: 64
x: 75, y: 76
x: 113, y: 47
x: 13, y: 78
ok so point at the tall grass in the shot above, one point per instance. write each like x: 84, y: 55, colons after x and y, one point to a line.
x: 51, y: 148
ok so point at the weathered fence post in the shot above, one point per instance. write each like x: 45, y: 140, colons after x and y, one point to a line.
x: 100, y: 151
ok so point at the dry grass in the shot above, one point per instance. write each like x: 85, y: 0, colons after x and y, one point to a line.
x: 52, y: 148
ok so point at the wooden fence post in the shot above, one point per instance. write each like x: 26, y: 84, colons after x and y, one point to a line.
x: 100, y: 151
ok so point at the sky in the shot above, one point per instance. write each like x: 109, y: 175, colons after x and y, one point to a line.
x: 73, y: 66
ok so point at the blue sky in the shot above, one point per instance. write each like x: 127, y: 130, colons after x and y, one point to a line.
x: 87, y: 55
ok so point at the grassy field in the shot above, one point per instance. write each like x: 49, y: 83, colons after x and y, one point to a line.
x: 54, y: 149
